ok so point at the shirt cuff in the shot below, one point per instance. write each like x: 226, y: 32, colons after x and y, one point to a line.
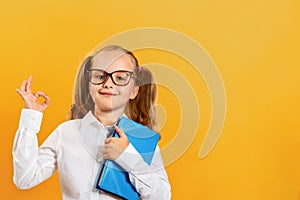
x: 31, y: 119
x: 129, y: 159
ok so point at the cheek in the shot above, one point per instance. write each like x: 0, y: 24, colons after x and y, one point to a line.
x: 128, y: 91
x: 92, y: 90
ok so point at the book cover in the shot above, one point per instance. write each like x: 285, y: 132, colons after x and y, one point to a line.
x: 112, y: 178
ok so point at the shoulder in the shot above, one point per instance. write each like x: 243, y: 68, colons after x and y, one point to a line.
x: 69, y: 124
x: 65, y: 130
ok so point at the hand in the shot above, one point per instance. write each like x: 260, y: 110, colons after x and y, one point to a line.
x: 114, y: 146
x: 30, y: 99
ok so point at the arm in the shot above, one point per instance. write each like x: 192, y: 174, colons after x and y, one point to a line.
x: 150, y: 181
x: 31, y: 164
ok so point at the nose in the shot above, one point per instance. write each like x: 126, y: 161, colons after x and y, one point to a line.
x: 108, y: 83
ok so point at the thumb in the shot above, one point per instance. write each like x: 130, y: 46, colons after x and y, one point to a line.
x: 120, y: 132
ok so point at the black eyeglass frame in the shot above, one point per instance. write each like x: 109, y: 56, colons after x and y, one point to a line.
x: 109, y: 75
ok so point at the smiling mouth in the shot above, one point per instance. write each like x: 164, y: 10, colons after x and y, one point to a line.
x: 107, y: 94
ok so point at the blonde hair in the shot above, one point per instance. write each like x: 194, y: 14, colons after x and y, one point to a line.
x: 140, y: 109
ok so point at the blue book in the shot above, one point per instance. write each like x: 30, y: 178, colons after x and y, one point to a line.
x: 112, y: 178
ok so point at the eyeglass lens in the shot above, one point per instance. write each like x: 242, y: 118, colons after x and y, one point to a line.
x: 118, y: 77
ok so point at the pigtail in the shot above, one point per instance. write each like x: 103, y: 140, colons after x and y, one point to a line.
x: 142, y: 109
x: 82, y: 101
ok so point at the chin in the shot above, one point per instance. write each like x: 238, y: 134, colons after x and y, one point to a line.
x: 105, y: 109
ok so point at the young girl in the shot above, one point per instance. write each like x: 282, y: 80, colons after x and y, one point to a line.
x: 109, y: 84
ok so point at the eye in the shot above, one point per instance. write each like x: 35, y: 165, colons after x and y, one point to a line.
x: 121, y: 77
x: 100, y: 76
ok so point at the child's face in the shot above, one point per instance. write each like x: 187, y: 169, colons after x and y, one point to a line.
x: 107, y: 96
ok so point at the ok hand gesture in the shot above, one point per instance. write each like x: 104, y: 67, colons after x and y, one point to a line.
x: 30, y: 99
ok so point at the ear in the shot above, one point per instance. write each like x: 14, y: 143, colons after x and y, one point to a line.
x: 134, y: 92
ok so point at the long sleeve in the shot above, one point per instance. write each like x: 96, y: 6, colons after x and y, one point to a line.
x: 65, y: 149
x: 150, y: 181
x: 31, y: 164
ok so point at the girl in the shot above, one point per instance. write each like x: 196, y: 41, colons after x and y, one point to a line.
x: 109, y: 84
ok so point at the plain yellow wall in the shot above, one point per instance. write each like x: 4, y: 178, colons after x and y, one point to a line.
x: 255, y: 45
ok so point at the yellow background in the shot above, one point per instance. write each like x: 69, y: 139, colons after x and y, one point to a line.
x: 255, y: 45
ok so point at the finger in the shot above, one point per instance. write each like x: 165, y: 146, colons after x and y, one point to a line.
x: 120, y: 132
x: 46, y: 102
x: 105, y: 156
x: 38, y: 94
x: 18, y: 91
x: 109, y: 140
x: 28, y: 84
x: 23, y: 86
x: 106, y: 141
x: 104, y: 149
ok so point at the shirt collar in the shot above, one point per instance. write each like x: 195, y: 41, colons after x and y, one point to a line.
x: 90, y: 118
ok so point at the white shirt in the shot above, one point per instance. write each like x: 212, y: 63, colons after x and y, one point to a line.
x: 74, y: 148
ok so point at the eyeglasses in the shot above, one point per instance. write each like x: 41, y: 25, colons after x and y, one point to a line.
x: 120, y: 77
